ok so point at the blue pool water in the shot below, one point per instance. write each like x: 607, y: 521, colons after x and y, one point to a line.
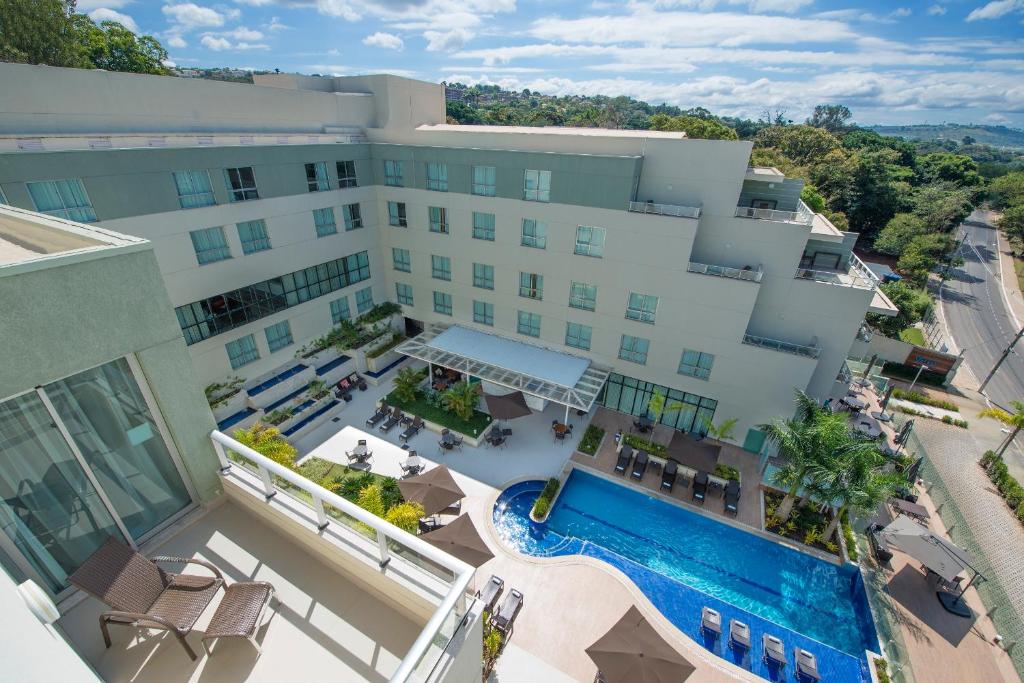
x: 683, y: 561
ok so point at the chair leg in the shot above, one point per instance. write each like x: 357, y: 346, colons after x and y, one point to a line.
x: 208, y: 646
x: 104, y: 627
x: 188, y: 648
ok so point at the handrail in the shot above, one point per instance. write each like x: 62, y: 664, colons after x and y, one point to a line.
x: 725, y: 271
x: 462, y: 572
x: 863, y: 269
x: 834, y: 277
x: 665, y: 209
x: 782, y: 346
x: 802, y: 215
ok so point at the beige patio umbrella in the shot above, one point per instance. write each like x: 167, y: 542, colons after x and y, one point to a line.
x: 435, y: 490
x: 461, y: 539
x: 942, y: 557
x: 633, y: 652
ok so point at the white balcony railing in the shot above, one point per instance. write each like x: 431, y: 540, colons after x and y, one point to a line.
x: 803, y: 215
x: 665, y: 209
x: 858, y: 275
x: 860, y: 267
x: 812, y: 351
x: 422, y: 657
x: 748, y: 273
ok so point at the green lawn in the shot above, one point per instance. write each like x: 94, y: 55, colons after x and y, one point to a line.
x: 913, y: 335
x: 419, y: 407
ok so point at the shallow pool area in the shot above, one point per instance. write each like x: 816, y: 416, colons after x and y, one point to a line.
x: 683, y: 561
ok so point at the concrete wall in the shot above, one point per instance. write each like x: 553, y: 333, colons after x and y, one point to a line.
x: 786, y: 194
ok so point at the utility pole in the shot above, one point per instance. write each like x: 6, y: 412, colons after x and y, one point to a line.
x: 1007, y: 352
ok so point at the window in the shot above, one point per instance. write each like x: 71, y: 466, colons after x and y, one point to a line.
x: 484, y: 180
x: 535, y: 234
x: 634, y: 349
x: 483, y: 313
x: 440, y: 267
x: 578, y: 336
x: 531, y: 285
x: 529, y: 324
x: 347, y: 174
x: 323, y: 219
x: 631, y: 396
x: 483, y: 226
x: 641, y: 307
x: 437, y: 176
x: 582, y: 295
x: 253, y: 235
x: 194, y: 189
x: 241, y: 184
x: 393, y: 176
x: 696, y: 364
x: 442, y: 303
x: 404, y: 293
x: 364, y: 300
x: 210, y: 245
x: 242, y: 351
x: 537, y: 186
x: 316, y: 177
x: 589, y: 241
x: 340, y: 310
x: 438, y: 220
x: 483, y: 276
x: 279, y: 335
x: 3, y: 199
x: 220, y: 313
x: 353, y: 218
x: 396, y: 215
x: 62, y: 198
x: 401, y: 260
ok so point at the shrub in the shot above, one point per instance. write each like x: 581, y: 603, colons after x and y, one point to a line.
x: 268, y: 442
x: 882, y: 669
x: 406, y: 382
x: 396, y: 339
x: 406, y: 516
x: 379, y: 312
x: 848, y: 536
x: 218, y: 393
x: 918, y: 397
x: 543, y: 503
x: 492, y: 646
x: 591, y: 440
x: 541, y: 507
x: 390, y: 493
x: 727, y: 472
x: 461, y: 399
x: 1009, y: 487
x: 276, y: 417
x: 371, y: 500
x: 644, y: 445
x: 316, y: 469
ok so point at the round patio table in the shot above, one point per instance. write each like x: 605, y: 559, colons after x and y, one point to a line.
x: 854, y: 402
x: 413, y: 461
x: 560, y: 428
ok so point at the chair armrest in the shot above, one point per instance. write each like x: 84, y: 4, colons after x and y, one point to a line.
x: 189, y: 560
x: 115, y: 615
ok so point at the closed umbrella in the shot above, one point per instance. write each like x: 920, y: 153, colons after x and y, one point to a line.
x: 633, y: 652
x: 461, y: 539
x: 435, y: 490
x: 507, y: 406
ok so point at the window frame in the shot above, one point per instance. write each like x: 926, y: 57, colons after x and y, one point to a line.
x: 436, y: 176
x: 343, y: 312
x: 243, y: 358
x: 539, y: 238
x: 531, y: 286
x: 540, y: 178
x: 346, y: 174
x: 364, y: 303
x: 443, y: 226
x: 84, y: 213
x: 403, y: 294
x: 321, y: 228
x: 254, y: 245
x: 241, y: 193
x: 224, y: 250
x: 641, y: 314
x: 352, y: 215
x: 631, y: 353
x: 396, y: 178
x: 697, y: 369
x: 483, y: 231
x: 277, y: 343
x: 441, y: 267
x: 399, y: 218
x: 484, y: 279
x: 569, y: 337
x: 484, y: 316
x: 317, y: 178
x: 587, y: 248
x: 191, y: 179
x: 582, y: 301
x: 483, y: 188
x: 531, y: 330
x: 402, y: 265
x: 443, y: 303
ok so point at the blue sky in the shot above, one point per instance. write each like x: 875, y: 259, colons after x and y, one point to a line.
x: 890, y: 62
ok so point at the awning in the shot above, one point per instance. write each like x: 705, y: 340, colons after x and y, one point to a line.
x: 507, y: 406
x: 551, y: 375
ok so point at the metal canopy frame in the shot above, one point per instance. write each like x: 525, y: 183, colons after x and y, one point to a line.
x: 581, y: 396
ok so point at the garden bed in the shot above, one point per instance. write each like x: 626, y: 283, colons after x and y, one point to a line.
x: 591, y: 440
x: 420, y: 407
x: 805, y: 525
x: 660, y: 450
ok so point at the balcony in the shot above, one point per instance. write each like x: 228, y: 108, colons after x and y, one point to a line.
x: 802, y: 216
x: 665, y: 209
x: 748, y: 273
x: 807, y: 351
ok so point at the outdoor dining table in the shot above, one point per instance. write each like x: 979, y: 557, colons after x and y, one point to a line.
x: 560, y: 428
x: 360, y: 451
x: 413, y: 461
x: 868, y: 427
x: 448, y: 438
x: 854, y: 402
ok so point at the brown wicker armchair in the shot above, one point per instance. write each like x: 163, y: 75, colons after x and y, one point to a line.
x: 143, y: 594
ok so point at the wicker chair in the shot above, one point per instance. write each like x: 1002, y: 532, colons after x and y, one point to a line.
x: 141, y: 593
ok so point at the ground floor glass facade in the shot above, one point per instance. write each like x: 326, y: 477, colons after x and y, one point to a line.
x: 629, y: 395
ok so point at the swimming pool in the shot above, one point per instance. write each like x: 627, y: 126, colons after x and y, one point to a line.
x: 683, y: 561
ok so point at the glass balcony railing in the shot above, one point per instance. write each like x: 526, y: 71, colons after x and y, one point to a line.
x: 803, y: 215
x: 808, y: 351
x: 747, y: 273
x: 665, y: 209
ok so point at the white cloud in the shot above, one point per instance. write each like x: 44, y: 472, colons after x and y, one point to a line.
x: 255, y: 3
x: 388, y: 41
x: 442, y: 41
x: 788, y: 6
x: 996, y: 9
x: 276, y: 25
x: 175, y: 40
x: 251, y: 46
x: 936, y: 10
x: 900, y: 12
x: 190, y: 15
x: 215, y: 43
x: 107, y: 14
x: 343, y: 70
x: 86, y: 5
x: 243, y: 33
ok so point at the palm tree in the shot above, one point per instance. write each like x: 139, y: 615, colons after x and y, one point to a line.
x: 461, y: 398
x: 1014, y: 419
x: 407, y: 381
x: 658, y: 405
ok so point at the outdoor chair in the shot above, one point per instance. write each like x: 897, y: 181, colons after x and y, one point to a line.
x: 497, y: 441
x: 240, y: 613
x: 140, y: 593
x: 878, y: 546
x: 457, y: 442
x: 739, y: 635
x: 506, y: 432
x: 623, y: 462
x: 428, y: 525
x: 445, y: 445
x: 732, y: 496
x: 489, y: 594
x: 700, y: 487
x: 774, y: 650
x: 640, y: 426
x: 504, y: 618
x: 668, y: 475
x: 711, y: 622
x: 560, y: 436
x: 412, y: 430
x: 395, y: 418
x: 806, y: 665
x: 639, y: 466
x: 381, y: 413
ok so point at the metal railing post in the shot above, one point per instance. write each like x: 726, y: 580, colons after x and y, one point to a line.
x: 268, y: 484
x: 382, y: 544
x: 222, y: 455
x: 321, y: 513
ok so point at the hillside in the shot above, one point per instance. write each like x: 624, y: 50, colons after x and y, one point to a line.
x: 997, y: 136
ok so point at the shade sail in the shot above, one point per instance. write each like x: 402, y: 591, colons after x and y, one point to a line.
x: 434, y: 489
x: 461, y: 539
x: 507, y: 406
x: 941, y: 556
x: 632, y: 651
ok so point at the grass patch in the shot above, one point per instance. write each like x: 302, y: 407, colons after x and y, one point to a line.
x: 645, y: 445
x: 918, y: 397
x: 591, y: 440
x: 913, y: 335
x: 421, y: 407
x: 1018, y: 269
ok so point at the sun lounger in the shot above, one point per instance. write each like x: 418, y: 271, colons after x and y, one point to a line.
x: 489, y: 594
x: 739, y: 635
x: 381, y: 413
x: 412, y: 430
x: 700, y: 487
x: 395, y: 418
x: 624, y: 457
x: 806, y: 665
x: 711, y: 622
x: 774, y: 650
x: 639, y: 466
x: 732, y: 496
x: 668, y: 475
x: 506, y: 614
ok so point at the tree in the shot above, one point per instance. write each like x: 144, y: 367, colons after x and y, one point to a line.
x: 831, y: 117
x: 724, y: 431
x: 658, y: 405
x: 268, y: 442
x: 943, y: 206
x: 812, y: 198
x: 113, y: 47
x: 913, y: 305
x: 406, y: 516
x: 1015, y: 420
x: 921, y: 256
x: 39, y: 32
x: 407, y: 381
x: 956, y: 168
x: 898, y: 233
x: 694, y: 127
x: 802, y: 144
x: 461, y: 398
x: 1012, y: 223
x: 1008, y: 190
x: 853, y: 480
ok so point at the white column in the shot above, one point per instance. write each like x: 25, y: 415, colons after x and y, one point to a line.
x: 566, y: 413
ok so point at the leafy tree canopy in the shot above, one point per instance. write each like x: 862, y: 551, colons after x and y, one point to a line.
x: 898, y: 233
x: 913, y: 305
x: 694, y: 127
x: 831, y: 117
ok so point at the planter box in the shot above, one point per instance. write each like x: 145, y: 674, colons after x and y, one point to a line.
x: 283, y: 388
x: 382, y: 361
x: 239, y: 401
x: 299, y: 417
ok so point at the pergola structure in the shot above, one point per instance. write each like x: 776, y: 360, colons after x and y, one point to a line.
x: 572, y: 381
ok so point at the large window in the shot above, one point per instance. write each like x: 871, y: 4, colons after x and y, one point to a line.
x: 194, y: 189
x: 279, y: 335
x: 440, y: 267
x: 537, y: 186
x: 241, y: 184
x: 347, y: 174
x: 528, y: 324
x: 340, y: 310
x: 62, y: 198
x: 578, y: 336
x: 483, y: 313
x: 401, y: 260
x: 583, y: 296
x: 535, y: 234
x: 642, y: 307
x: 253, y: 235
x: 483, y: 276
x: 483, y: 226
x: 218, y: 314
x: 631, y: 396
x: 634, y: 349
x: 352, y: 216
x: 393, y: 173
x: 696, y: 364
x: 438, y: 219
x: 404, y: 293
x: 437, y: 176
x: 396, y: 215
x: 442, y: 303
x: 324, y: 221
x: 210, y: 245
x: 316, y: 177
x: 589, y: 241
x: 531, y: 285
x: 242, y: 351
x: 484, y: 180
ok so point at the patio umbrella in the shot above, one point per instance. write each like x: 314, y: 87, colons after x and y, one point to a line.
x: 461, y: 539
x: 941, y: 556
x: 632, y: 651
x: 507, y: 406
x: 434, y: 490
